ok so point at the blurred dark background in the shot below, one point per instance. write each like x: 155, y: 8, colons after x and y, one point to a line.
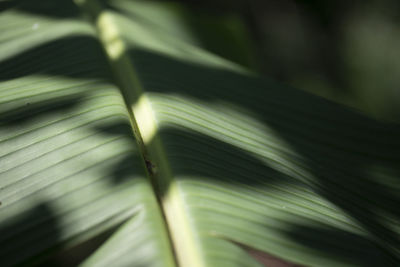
x: 347, y: 51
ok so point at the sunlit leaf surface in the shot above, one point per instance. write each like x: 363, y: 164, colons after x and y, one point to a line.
x: 241, y: 171
x: 70, y: 169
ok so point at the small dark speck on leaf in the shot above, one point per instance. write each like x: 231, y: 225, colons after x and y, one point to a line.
x: 150, y: 167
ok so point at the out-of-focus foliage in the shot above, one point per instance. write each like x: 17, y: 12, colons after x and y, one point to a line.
x: 343, y: 50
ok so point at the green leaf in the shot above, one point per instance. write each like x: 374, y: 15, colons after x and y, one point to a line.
x: 70, y: 167
x: 122, y: 144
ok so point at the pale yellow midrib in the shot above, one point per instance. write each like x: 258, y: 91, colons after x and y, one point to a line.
x: 181, y: 232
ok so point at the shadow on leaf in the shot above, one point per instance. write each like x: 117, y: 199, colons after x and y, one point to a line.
x: 338, y: 145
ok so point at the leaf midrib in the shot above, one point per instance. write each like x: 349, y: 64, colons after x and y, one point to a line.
x: 181, y: 235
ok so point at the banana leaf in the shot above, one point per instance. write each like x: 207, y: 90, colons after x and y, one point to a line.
x: 124, y: 144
